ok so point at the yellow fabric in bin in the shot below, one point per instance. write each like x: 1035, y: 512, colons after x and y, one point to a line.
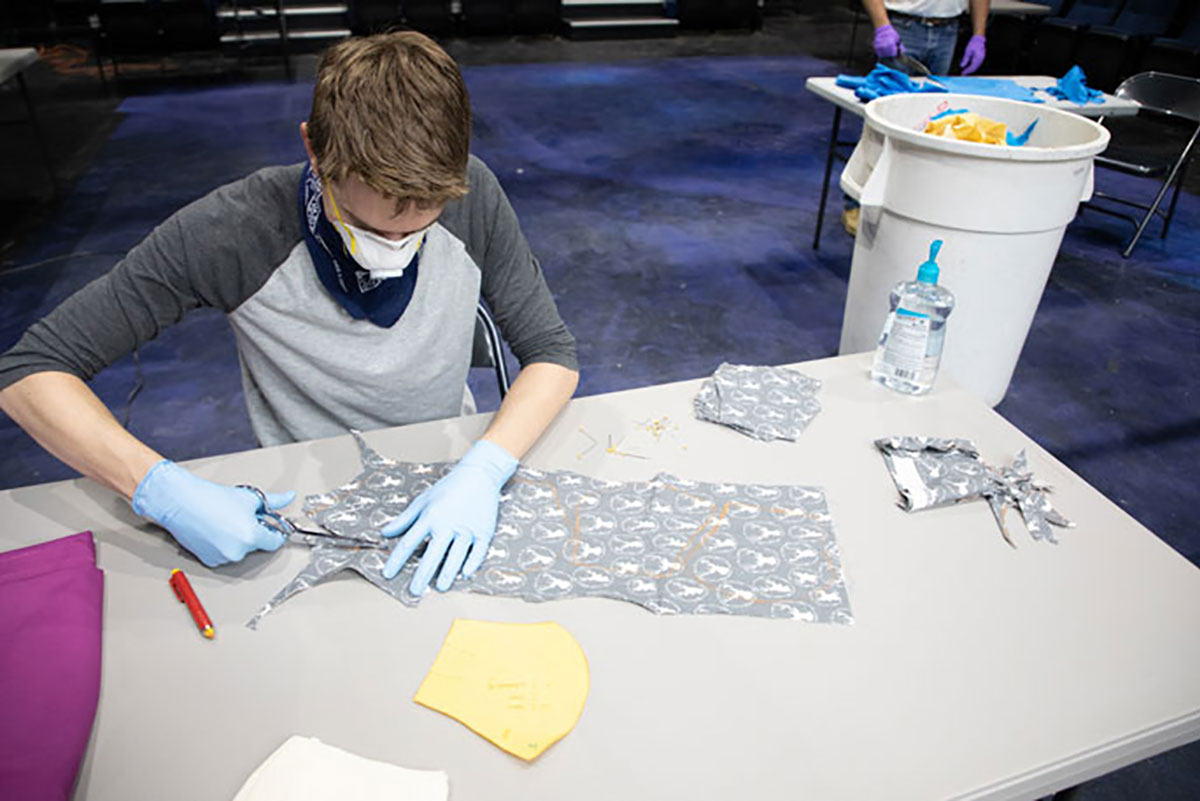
x: 969, y: 127
x: 520, y: 685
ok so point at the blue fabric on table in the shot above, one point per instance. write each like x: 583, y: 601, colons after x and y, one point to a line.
x: 1073, y: 87
x: 989, y: 87
x: 883, y: 81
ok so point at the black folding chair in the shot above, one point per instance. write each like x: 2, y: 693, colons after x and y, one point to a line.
x: 1109, y: 53
x: 487, y: 349
x: 1056, y: 39
x: 1178, y: 53
x: 1163, y: 99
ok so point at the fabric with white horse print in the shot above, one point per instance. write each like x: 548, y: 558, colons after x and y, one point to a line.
x: 669, y: 545
x: 933, y: 471
x: 766, y: 403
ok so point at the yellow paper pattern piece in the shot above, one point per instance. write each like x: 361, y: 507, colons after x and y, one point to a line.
x: 520, y: 685
x: 969, y: 127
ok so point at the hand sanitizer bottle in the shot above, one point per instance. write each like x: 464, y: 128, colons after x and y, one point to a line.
x: 910, y: 346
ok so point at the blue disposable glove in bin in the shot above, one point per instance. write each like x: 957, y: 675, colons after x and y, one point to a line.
x: 217, y: 523
x: 457, y: 516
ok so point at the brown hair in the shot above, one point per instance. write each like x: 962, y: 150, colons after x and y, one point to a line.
x: 392, y: 110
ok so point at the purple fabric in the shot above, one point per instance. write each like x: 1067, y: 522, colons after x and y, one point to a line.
x: 51, y: 605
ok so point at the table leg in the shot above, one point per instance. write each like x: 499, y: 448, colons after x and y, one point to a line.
x: 833, y: 138
x: 37, y: 130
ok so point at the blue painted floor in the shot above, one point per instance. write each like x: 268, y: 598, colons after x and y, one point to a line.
x: 672, y: 203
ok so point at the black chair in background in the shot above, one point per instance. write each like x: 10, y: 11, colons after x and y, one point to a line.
x: 1110, y: 53
x: 1010, y: 37
x: 487, y: 350
x: 1178, y: 53
x: 1056, y: 39
x: 1169, y: 109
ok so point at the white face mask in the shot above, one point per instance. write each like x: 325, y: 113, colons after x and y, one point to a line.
x: 382, y: 257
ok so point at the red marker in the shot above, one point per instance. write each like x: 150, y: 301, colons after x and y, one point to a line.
x: 187, y: 596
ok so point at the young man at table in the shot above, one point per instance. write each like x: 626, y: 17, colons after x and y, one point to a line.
x: 351, y: 283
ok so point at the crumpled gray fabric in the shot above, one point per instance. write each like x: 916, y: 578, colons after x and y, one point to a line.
x: 930, y: 472
x: 1015, y: 486
x: 670, y: 545
x: 762, y: 402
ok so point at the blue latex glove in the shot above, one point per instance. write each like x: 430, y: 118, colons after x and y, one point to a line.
x: 882, y: 81
x: 1073, y: 87
x: 1019, y: 140
x: 457, y: 515
x: 219, y: 524
x: 887, y: 42
x: 989, y: 87
x: 974, y: 54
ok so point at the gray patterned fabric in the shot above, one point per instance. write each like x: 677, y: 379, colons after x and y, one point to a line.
x: 670, y: 545
x: 762, y: 402
x: 930, y: 472
x: 1015, y: 486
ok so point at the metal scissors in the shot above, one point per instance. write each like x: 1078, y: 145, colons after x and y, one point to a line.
x: 277, y: 522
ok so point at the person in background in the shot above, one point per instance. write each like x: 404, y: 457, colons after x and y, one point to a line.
x: 351, y: 282
x: 927, y: 30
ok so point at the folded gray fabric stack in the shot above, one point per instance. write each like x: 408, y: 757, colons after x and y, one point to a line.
x: 762, y: 402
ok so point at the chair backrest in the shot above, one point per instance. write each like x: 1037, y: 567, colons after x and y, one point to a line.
x: 1094, y: 12
x: 486, y: 348
x: 1146, y: 17
x: 1173, y: 95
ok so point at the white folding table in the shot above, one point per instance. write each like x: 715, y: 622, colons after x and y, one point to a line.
x: 973, y: 670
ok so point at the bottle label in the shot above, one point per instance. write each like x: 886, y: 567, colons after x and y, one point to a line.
x: 907, y: 344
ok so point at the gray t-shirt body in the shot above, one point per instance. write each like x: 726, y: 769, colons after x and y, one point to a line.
x: 309, y: 369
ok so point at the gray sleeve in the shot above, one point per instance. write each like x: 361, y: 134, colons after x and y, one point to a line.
x: 215, y: 252
x: 513, y: 285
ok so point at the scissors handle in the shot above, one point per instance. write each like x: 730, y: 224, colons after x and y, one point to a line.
x: 277, y: 522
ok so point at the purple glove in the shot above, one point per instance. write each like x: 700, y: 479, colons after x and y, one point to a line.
x: 887, y: 42
x: 974, y: 55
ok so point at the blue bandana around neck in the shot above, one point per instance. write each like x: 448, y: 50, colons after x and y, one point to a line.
x: 381, y: 301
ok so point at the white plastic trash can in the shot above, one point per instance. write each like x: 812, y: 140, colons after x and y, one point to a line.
x: 1000, y: 210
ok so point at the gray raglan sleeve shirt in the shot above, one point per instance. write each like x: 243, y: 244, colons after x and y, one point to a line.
x: 513, y: 285
x: 220, y: 250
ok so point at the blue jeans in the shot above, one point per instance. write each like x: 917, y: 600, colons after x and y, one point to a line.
x: 932, y: 45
